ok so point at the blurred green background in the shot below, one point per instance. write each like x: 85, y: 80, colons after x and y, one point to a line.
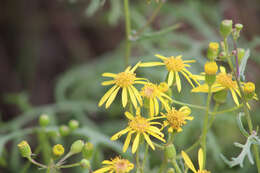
x: 53, y: 52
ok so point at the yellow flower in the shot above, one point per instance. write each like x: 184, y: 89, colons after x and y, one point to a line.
x: 223, y: 81
x: 116, y: 165
x: 176, y: 118
x: 141, y: 126
x: 174, y: 65
x: 58, y: 150
x: 211, y: 68
x: 189, y: 163
x: 153, y: 93
x: 126, y: 81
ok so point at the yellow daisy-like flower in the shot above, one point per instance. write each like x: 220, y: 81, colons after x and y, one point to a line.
x: 223, y: 81
x: 175, y: 119
x: 58, y: 150
x: 174, y: 65
x: 126, y: 81
x: 153, y: 93
x: 116, y: 165
x: 141, y: 126
x: 189, y: 163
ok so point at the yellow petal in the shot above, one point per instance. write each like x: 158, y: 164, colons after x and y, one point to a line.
x: 170, y: 78
x: 109, y: 75
x: 110, y: 82
x: 112, y: 97
x: 185, y: 110
x: 151, y: 64
x: 188, y: 161
x: 137, y: 94
x: 136, y: 143
x: 151, y: 108
x: 129, y: 115
x: 188, y: 79
x: 103, y: 170
x: 127, y: 141
x: 141, y: 82
x: 200, y: 157
x: 234, y: 97
x: 124, y: 97
x: 132, y: 97
x: 178, y: 81
x: 222, y: 69
x: 148, y: 140
x: 107, y: 162
x: 120, y: 133
x: 128, y: 68
x: 161, y: 57
x: 155, y: 135
x: 135, y: 67
x: 189, y: 61
x: 156, y: 104
x: 105, y: 97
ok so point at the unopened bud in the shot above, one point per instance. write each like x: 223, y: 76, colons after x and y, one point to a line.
x: 73, y: 124
x: 170, y: 170
x: 211, y: 68
x: 58, y: 150
x: 84, y: 163
x: 76, y: 147
x: 226, y: 28
x: 44, y: 120
x: 240, y: 54
x: 249, y: 90
x: 239, y: 27
x: 64, y: 130
x: 88, y: 150
x: 25, y: 149
x: 213, y: 50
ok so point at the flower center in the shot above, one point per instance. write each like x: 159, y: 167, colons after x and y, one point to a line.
x: 125, y: 79
x: 139, y: 124
x: 121, y: 166
x: 174, y: 64
x: 149, y: 90
x: 226, y: 80
x: 175, y: 118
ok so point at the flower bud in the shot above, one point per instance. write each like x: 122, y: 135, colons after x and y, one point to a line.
x: 88, y: 150
x: 84, y: 163
x: 249, y: 90
x: 64, y: 130
x: 220, y: 96
x: 58, y: 150
x: 73, y: 124
x: 211, y: 68
x: 213, y: 51
x: 240, y: 54
x: 226, y: 28
x: 170, y: 170
x: 76, y: 147
x: 25, y: 149
x: 170, y: 151
x: 44, y: 120
x: 239, y: 26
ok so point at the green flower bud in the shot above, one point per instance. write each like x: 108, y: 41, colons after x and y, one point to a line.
x: 73, y: 124
x: 25, y: 149
x: 88, y: 150
x: 249, y: 90
x: 220, y: 96
x: 238, y: 27
x: 213, y: 51
x: 170, y: 151
x: 76, y: 147
x: 226, y: 28
x: 44, y: 120
x: 64, y: 130
x: 170, y: 170
x: 240, y: 54
x: 84, y: 163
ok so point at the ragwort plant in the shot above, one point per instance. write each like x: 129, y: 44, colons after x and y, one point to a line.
x: 154, y: 116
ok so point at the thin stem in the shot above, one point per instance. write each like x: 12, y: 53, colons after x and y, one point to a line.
x: 150, y: 20
x: 70, y: 165
x: 177, y: 168
x: 189, y: 105
x: 164, y: 164
x: 228, y: 110
x: 138, y: 169
x: 145, y: 156
x: 128, y: 32
x: 213, y: 116
x: 205, y: 128
x: 36, y: 163
x: 158, y: 146
x: 63, y: 159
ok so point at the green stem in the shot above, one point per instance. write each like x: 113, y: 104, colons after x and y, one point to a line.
x: 159, y: 146
x: 177, y: 168
x: 145, y: 155
x: 150, y: 20
x: 36, y: 163
x: 228, y: 110
x: 128, y: 32
x: 205, y: 128
x: 164, y: 164
x: 63, y: 159
x: 138, y: 169
x: 69, y: 166
x: 213, y: 116
x: 189, y: 105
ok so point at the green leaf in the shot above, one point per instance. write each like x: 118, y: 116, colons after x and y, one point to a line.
x: 243, y: 63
